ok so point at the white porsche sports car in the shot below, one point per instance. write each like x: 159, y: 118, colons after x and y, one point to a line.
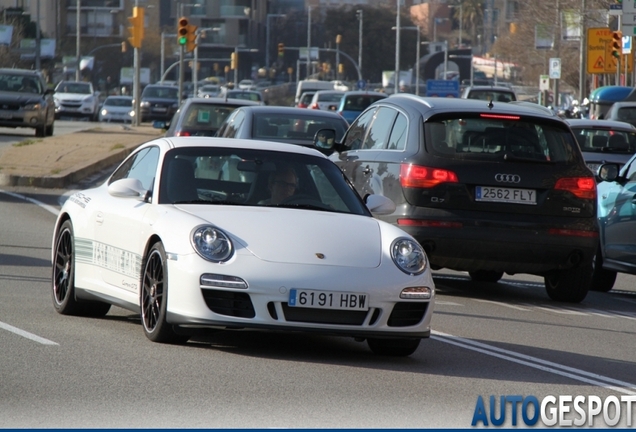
x: 199, y: 233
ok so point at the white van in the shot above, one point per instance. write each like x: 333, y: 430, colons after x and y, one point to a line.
x: 311, y: 85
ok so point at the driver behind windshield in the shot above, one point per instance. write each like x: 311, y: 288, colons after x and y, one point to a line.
x: 281, y: 184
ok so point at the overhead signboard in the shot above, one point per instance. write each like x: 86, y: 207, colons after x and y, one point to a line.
x: 628, y: 6
x: 628, y: 24
x: 599, y: 52
x: 442, y: 88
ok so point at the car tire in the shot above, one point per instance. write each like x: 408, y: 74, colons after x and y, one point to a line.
x: 602, y: 280
x: 154, y: 298
x: 63, y: 278
x: 570, y: 286
x: 49, y: 130
x: 40, y: 131
x: 485, y: 276
x: 395, y: 347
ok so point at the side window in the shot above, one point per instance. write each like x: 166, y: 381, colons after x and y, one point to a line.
x: 357, y: 131
x: 397, y: 140
x: 378, y: 135
x: 141, y: 166
x: 630, y: 175
x: 233, y: 124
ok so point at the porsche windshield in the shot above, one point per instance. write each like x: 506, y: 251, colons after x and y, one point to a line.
x: 209, y: 175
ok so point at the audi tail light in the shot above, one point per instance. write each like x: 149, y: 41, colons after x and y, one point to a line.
x: 582, y: 187
x: 417, y: 176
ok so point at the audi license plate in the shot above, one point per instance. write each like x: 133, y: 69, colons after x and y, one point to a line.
x: 328, y: 300
x: 506, y: 195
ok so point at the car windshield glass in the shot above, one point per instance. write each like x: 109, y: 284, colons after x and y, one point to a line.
x: 206, y: 116
x: 329, y: 97
x: 228, y: 176
x: 118, y: 102
x: 19, y: 83
x: 605, y: 140
x: 490, y: 95
x: 293, y: 126
x: 359, y: 103
x: 252, y: 96
x: 499, y: 137
x: 80, y: 88
x: 161, y: 92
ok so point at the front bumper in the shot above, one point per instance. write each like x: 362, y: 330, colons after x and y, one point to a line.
x: 264, y: 303
x: 22, y: 118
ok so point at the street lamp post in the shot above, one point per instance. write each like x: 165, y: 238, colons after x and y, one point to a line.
x: 308, y: 41
x: 77, y: 40
x: 397, y: 48
x: 338, y: 40
x: 359, y: 13
x: 417, y: 57
x: 267, y: 36
x: 195, y: 62
x: 37, y: 35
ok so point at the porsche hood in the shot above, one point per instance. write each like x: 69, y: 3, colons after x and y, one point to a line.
x: 302, y: 237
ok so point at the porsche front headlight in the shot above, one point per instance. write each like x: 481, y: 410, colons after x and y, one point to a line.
x: 212, y: 244
x: 408, y: 256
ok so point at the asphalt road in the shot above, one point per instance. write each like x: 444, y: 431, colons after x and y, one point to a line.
x: 9, y: 136
x: 488, y: 339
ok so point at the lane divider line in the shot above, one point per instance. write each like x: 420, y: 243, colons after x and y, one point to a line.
x: 26, y: 334
x: 34, y: 201
x: 537, y: 363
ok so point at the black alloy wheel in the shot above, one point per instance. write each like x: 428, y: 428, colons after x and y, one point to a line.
x: 154, y: 298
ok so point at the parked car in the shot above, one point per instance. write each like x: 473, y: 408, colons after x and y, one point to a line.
x: 282, y: 124
x: 201, y: 116
x: 188, y: 249
x: 604, y: 141
x: 354, y: 102
x: 305, y: 99
x: 158, y: 102
x: 26, y: 102
x: 489, y: 93
x: 76, y: 99
x: 617, y: 221
x: 485, y: 187
x: 118, y: 109
x: 624, y: 111
x: 326, y: 100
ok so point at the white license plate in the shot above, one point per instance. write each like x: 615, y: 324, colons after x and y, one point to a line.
x: 6, y: 115
x: 328, y: 300
x: 506, y: 195
x: 160, y: 109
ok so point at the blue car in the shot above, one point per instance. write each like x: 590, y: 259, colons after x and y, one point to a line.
x: 354, y: 102
x: 617, y: 224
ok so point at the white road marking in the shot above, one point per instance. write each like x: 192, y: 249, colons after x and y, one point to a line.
x: 537, y: 363
x: 26, y: 334
x: 34, y: 201
x: 502, y: 304
x: 447, y: 303
x: 561, y: 311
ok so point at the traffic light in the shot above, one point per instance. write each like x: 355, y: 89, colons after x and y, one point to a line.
x: 233, y: 60
x: 136, y: 30
x: 187, y: 34
x: 617, y: 44
x: 281, y: 49
x: 341, y: 68
x: 123, y: 47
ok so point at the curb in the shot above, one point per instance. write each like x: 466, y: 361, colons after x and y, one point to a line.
x: 63, y: 180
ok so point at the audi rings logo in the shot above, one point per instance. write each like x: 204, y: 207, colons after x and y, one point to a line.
x: 507, y: 178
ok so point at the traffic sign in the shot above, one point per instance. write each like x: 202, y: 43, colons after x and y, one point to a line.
x: 627, y: 44
x: 442, y: 88
x: 599, y: 52
x: 362, y: 84
x: 544, y: 82
x: 555, y: 68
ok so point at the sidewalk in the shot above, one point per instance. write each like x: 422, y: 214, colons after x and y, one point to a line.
x: 56, y: 162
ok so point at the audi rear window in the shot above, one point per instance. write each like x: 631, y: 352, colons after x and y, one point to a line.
x: 496, y: 137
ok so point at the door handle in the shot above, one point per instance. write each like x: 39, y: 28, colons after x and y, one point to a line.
x: 99, y: 218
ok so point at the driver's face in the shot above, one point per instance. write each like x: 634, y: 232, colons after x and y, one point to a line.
x: 283, y: 186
